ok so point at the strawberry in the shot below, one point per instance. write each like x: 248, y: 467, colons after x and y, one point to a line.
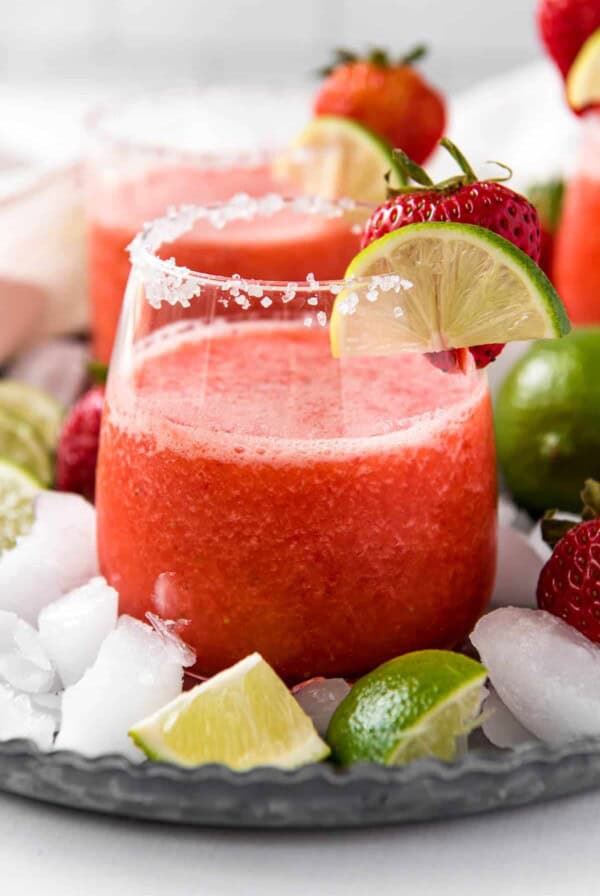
x: 565, y: 25
x: 78, y: 445
x: 547, y: 198
x: 390, y: 98
x: 463, y: 199
x: 569, y: 583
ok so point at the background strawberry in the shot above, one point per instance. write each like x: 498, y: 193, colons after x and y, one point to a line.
x: 463, y: 199
x: 569, y: 583
x: 565, y: 25
x: 390, y: 98
x: 78, y: 445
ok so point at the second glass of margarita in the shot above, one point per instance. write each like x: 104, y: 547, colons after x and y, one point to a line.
x: 330, y: 514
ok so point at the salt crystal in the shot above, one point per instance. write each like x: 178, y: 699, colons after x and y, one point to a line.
x: 73, y: 627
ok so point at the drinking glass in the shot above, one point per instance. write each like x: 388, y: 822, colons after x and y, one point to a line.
x: 179, y: 146
x: 328, y: 513
x: 577, y: 255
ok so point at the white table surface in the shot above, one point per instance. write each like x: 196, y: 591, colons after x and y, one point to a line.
x: 549, y: 850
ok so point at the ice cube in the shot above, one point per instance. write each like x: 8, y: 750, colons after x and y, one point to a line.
x: 544, y: 671
x: 320, y: 697
x: 73, y: 627
x: 58, y: 555
x: 169, y: 630
x: 500, y: 726
x: 24, y: 664
x: 133, y: 676
x: 19, y: 718
x: 519, y: 567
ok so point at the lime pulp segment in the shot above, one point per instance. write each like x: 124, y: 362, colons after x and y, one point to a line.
x: 35, y: 406
x: 17, y: 491
x: 583, y: 79
x: 21, y: 443
x: 336, y: 157
x: 242, y: 717
x: 434, y: 286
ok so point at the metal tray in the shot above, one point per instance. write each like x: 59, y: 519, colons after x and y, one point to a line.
x: 317, y: 796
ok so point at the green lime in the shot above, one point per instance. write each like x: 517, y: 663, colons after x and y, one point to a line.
x: 583, y: 80
x: 547, y: 419
x: 436, y: 286
x: 416, y: 705
x: 336, y: 157
x: 242, y: 717
x: 38, y: 408
x: 21, y: 443
x: 17, y: 491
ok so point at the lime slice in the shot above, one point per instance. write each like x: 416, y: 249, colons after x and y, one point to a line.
x: 337, y: 157
x: 583, y: 80
x: 430, y: 287
x: 21, y: 443
x: 243, y: 717
x: 414, y: 706
x: 38, y: 408
x: 17, y: 491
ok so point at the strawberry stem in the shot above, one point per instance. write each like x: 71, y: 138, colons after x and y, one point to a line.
x: 553, y: 528
x: 414, y: 55
x: 460, y: 159
x: 590, y: 496
x: 410, y: 170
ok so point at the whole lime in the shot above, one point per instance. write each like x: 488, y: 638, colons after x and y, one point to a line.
x: 547, y: 421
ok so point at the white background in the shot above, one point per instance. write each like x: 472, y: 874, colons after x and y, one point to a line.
x: 152, y: 41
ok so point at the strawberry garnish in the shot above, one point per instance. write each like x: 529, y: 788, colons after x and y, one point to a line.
x: 463, y: 199
x: 565, y: 25
x: 389, y: 97
x: 569, y: 583
x: 78, y: 445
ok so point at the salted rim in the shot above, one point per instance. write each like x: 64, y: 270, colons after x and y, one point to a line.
x: 166, y: 281
x: 101, y: 125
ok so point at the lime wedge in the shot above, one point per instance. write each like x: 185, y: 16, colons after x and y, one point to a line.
x: 583, y: 80
x: 335, y: 158
x: 242, y: 717
x: 414, y: 706
x: 434, y: 286
x: 17, y: 491
x: 21, y: 443
x: 38, y: 408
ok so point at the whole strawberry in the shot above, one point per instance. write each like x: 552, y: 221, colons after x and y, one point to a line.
x: 78, y: 445
x: 464, y: 199
x: 569, y: 583
x: 565, y: 25
x: 391, y: 98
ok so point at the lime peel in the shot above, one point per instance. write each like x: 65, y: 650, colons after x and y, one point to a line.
x: 416, y: 705
x: 460, y: 286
